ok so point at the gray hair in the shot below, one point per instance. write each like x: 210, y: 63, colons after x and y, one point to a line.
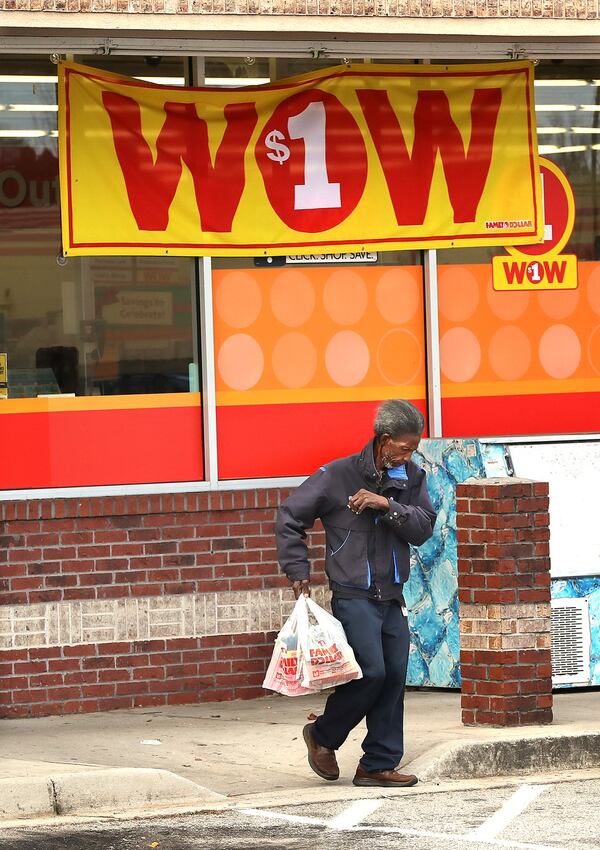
x: 397, y: 417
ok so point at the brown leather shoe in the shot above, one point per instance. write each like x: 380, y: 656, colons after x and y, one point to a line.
x: 383, y: 778
x: 321, y: 759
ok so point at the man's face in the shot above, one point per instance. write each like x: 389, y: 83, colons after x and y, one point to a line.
x: 398, y: 450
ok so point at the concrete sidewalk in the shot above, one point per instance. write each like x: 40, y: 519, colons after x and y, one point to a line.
x: 217, y: 752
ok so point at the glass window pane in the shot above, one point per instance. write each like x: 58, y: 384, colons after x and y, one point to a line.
x: 304, y: 353
x: 528, y: 362
x: 89, y: 332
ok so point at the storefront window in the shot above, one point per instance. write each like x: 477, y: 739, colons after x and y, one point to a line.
x: 225, y: 71
x: 91, y: 326
x: 306, y: 349
x: 304, y: 352
x: 528, y: 362
x: 107, y: 347
x: 96, y: 327
x: 567, y: 102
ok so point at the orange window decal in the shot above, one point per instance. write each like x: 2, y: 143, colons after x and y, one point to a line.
x: 506, y: 356
x: 292, y: 343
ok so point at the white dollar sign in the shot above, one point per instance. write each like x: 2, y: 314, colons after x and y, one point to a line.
x: 280, y: 152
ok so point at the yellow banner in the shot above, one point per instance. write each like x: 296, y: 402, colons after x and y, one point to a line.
x: 363, y: 157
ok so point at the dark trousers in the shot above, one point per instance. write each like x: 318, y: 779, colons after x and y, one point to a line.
x: 378, y: 634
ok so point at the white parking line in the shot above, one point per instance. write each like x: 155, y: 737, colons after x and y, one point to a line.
x: 463, y: 839
x: 511, y: 809
x: 468, y: 838
x: 352, y: 816
x: 263, y: 813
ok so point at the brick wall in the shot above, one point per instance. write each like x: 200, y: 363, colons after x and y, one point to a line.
x: 135, y: 674
x: 504, y: 594
x: 135, y: 601
x: 553, y: 9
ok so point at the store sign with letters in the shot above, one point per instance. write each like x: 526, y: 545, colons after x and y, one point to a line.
x: 542, y: 265
x: 320, y: 259
x: 352, y: 158
x: 140, y: 308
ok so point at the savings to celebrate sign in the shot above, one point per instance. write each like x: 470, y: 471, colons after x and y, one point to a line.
x: 358, y: 157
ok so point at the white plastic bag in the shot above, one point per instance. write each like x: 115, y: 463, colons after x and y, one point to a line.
x: 310, y: 657
x: 284, y: 672
x: 328, y: 658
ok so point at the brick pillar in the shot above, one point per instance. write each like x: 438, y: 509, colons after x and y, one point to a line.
x: 504, y: 593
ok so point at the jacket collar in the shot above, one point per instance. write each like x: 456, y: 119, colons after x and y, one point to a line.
x: 366, y: 462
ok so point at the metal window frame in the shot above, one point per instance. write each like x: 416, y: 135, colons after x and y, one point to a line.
x: 243, y: 43
x: 526, y: 439
x: 209, y: 392
x: 432, y: 344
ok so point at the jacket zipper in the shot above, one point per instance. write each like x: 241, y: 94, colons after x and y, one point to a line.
x: 375, y: 588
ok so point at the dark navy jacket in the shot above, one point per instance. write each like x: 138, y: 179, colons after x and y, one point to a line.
x: 368, y: 551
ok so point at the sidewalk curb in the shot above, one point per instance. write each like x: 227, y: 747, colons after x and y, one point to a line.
x: 506, y: 757
x: 25, y: 797
x: 294, y: 798
x: 113, y: 789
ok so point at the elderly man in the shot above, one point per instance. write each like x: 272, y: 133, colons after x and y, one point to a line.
x: 373, y: 506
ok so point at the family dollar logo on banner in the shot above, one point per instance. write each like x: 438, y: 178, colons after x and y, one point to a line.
x: 358, y: 157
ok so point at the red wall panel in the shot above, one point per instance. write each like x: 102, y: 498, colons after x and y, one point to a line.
x: 115, y: 445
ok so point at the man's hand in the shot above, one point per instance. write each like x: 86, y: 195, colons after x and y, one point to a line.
x: 302, y: 586
x: 365, y: 499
